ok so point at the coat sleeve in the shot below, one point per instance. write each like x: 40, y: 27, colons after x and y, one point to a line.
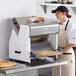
x: 47, y: 20
x: 72, y: 37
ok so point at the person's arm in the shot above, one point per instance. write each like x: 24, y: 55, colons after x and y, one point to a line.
x: 68, y: 47
x: 35, y: 19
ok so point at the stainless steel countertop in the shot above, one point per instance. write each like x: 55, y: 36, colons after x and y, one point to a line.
x: 23, y: 67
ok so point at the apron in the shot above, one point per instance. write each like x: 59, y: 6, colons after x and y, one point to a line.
x: 68, y: 69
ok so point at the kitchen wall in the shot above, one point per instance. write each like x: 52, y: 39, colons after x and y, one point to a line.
x: 9, y: 9
x: 27, y: 73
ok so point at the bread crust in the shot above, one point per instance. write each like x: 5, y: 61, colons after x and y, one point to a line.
x: 7, y: 64
x: 36, y: 38
x: 44, y: 53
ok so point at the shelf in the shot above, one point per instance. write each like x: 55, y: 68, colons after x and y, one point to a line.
x: 49, y: 4
x: 68, y: 5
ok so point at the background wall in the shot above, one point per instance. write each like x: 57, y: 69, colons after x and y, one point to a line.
x: 8, y: 9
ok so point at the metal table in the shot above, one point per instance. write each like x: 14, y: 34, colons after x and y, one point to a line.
x: 23, y: 67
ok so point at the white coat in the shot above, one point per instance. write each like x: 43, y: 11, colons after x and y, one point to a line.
x: 65, y: 37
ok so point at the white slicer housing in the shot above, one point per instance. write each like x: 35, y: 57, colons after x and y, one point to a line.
x: 20, y: 46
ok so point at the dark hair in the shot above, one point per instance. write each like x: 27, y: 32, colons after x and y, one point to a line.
x: 69, y: 16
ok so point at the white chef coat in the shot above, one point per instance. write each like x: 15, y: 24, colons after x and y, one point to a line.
x: 71, y: 29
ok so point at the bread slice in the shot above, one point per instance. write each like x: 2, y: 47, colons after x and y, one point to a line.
x: 36, y: 38
x: 44, y: 53
x: 7, y: 64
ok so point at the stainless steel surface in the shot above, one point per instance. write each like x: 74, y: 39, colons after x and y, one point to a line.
x: 20, y: 45
x: 23, y: 67
x: 36, y: 28
x: 59, y: 70
x: 41, y: 46
x: 44, y: 29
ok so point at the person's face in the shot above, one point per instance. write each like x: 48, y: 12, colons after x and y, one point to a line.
x: 60, y: 15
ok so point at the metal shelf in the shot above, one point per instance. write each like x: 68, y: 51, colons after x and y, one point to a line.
x: 44, y: 6
x: 68, y: 5
x: 20, y: 67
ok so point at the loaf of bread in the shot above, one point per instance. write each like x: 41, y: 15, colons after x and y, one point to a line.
x: 7, y: 64
x: 44, y: 53
x: 36, y: 38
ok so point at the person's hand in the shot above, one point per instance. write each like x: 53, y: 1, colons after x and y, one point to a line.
x: 61, y: 51
x: 35, y: 20
x: 32, y: 20
x: 29, y: 20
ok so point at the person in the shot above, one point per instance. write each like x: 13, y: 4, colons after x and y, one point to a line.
x: 66, y: 40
